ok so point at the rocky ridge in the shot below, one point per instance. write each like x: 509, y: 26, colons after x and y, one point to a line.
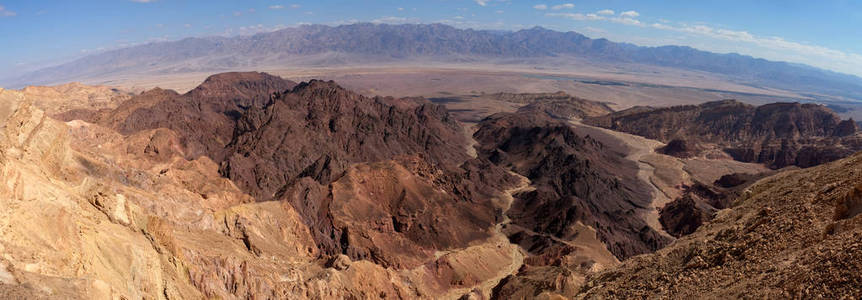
x: 777, y: 134
x: 558, y: 105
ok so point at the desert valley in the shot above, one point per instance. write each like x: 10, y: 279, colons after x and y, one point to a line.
x: 424, y: 161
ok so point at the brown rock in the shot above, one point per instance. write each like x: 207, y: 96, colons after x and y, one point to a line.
x: 777, y: 134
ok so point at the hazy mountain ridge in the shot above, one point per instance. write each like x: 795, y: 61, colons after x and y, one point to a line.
x: 365, y: 42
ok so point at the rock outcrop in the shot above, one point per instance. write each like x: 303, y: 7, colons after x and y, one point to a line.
x: 558, y: 105
x: 778, y: 134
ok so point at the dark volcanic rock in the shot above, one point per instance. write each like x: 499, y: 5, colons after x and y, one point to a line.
x: 205, y: 117
x: 557, y: 105
x: 382, y: 179
x: 317, y: 129
x: 575, y: 181
x: 684, y: 215
x: 679, y: 148
x: 778, y: 134
x: 700, y: 202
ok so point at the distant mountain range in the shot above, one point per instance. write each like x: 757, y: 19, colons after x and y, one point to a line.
x: 320, y: 45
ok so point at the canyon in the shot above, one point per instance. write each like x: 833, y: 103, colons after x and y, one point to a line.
x: 254, y: 186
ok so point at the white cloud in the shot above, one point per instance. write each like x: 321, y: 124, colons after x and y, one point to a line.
x: 627, y: 21
x: 716, y: 39
x: 488, y: 2
x: 577, y: 16
x: 144, y: 1
x: 499, y: 12
x: 563, y: 6
x: 279, y: 6
x: 540, y: 6
x: 400, y: 9
x: 598, y: 17
x: 6, y: 13
x: 606, y: 12
x: 630, y: 14
x: 295, y: 6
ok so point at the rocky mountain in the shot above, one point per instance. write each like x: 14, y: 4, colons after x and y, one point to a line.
x: 252, y: 186
x: 204, y: 118
x: 777, y: 134
x: 89, y: 212
x: 363, y: 43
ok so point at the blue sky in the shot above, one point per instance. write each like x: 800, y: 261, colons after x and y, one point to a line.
x: 826, y: 34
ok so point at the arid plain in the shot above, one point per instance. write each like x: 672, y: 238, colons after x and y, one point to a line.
x: 621, y: 86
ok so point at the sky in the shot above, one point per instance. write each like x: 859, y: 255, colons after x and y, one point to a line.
x: 825, y: 33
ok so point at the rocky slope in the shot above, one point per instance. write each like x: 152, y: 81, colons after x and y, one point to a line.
x: 778, y: 134
x: 325, y: 193
x: 251, y: 186
x: 796, y: 234
x: 583, y: 212
x: 700, y: 202
x: 574, y: 180
x: 318, y: 128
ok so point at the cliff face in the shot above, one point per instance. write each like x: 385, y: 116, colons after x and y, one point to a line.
x: 778, y: 134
